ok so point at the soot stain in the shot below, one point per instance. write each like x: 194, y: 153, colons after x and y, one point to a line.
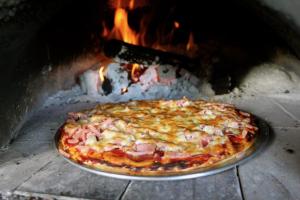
x: 290, y: 151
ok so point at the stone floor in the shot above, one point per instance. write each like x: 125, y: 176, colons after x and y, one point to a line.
x: 32, y: 168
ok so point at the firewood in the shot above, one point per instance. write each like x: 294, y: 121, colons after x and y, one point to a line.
x: 128, y: 53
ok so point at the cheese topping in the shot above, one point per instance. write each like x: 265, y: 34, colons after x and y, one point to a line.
x: 176, y: 127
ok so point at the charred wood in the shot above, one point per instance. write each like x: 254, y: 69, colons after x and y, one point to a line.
x: 128, y: 53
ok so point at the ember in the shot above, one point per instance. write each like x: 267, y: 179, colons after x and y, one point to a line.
x: 101, y: 74
x: 123, y: 35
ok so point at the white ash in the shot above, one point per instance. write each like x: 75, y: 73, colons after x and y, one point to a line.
x: 270, y: 79
x: 118, y: 77
x: 155, y: 83
x: 278, y: 78
x: 149, y: 77
x: 89, y: 82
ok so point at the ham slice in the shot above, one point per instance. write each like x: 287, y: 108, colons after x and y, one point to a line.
x: 106, y: 123
x: 174, y: 155
x: 77, y: 134
x: 94, y: 130
x: 183, y: 103
x: 205, y: 141
x: 73, y: 141
x: 145, y: 148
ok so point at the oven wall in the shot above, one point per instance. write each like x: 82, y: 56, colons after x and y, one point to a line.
x: 24, y: 57
x: 282, y: 16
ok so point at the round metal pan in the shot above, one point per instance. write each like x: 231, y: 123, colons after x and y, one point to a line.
x: 259, y: 144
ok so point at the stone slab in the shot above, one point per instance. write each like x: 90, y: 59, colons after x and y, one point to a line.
x: 275, y: 174
x: 224, y: 185
x: 62, y: 178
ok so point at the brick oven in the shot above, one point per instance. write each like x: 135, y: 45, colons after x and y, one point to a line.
x: 61, y: 56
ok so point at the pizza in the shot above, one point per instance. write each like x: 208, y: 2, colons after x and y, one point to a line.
x: 156, y: 137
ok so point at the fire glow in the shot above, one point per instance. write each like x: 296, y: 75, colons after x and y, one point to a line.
x: 101, y: 73
x: 122, y: 31
x: 134, y: 69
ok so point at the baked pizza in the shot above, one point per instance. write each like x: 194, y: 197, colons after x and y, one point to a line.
x: 156, y: 137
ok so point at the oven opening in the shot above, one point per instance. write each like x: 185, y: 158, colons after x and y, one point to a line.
x: 64, y: 56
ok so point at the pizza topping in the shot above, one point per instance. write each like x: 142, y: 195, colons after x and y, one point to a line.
x: 91, y: 140
x: 83, y: 149
x: 211, y: 130
x: 146, y: 148
x: 73, y: 141
x: 107, y: 123
x: 172, y: 154
x: 183, y: 103
x: 120, y: 124
x: 168, y: 146
x: 233, y: 124
x: 235, y: 139
x: 190, y: 136
x: 205, y: 141
x: 207, y: 114
x: 92, y: 129
x: 165, y: 133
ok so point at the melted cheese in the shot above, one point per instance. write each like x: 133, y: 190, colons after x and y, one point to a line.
x: 173, y: 126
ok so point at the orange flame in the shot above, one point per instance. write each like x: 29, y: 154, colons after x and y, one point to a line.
x: 121, y: 28
x: 105, y: 31
x: 101, y: 73
x: 176, y: 25
x: 124, y: 90
x: 135, y: 67
x: 190, y: 45
x: 131, y: 4
x: 163, y: 39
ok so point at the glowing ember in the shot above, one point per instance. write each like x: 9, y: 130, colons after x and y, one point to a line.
x: 101, y: 73
x: 190, y: 45
x: 134, y: 69
x: 124, y: 90
x: 105, y: 31
x: 131, y: 4
x: 162, y: 40
x: 176, y: 25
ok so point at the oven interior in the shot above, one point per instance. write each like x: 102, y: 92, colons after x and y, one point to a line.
x: 63, y: 56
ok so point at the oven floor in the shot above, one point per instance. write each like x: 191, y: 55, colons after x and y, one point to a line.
x: 32, y: 168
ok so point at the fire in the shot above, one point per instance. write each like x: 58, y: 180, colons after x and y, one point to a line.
x: 101, y: 73
x: 121, y: 29
x: 131, y: 4
x: 176, y: 25
x: 135, y: 67
x: 124, y: 90
x: 164, y: 39
x: 190, y: 45
x: 105, y: 31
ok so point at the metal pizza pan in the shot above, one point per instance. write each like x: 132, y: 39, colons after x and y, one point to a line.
x: 260, y: 143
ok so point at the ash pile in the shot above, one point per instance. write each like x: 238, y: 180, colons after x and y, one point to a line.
x: 125, y: 81
x: 133, y: 72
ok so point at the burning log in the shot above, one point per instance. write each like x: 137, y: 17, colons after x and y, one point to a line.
x: 127, y: 53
